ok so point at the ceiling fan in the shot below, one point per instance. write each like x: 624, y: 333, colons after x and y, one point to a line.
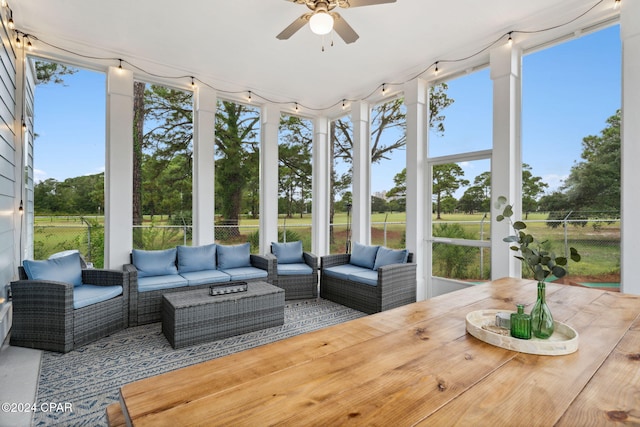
x: 322, y: 20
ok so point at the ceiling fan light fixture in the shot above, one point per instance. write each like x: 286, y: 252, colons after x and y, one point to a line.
x: 321, y: 23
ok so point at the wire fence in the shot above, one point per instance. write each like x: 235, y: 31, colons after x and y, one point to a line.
x: 597, y: 240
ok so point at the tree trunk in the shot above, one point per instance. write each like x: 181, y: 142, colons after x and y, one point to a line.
x: 138, y: 135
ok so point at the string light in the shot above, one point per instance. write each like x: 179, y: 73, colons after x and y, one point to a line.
x: 343, y: 104
x: 510, y: 40
x: 249, y: 98
x: 11, y: 25
x: 29, y: 45
x: 616, y: 4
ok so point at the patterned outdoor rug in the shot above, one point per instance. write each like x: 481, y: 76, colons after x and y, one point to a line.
x: 88, y: 379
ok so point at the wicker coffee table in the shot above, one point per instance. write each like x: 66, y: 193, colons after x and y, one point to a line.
x: 193, y: 317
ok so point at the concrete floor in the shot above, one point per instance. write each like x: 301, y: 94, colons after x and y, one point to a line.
x: 19, y: 372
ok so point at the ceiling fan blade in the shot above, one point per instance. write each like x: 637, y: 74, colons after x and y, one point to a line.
x: 293, y: 27
x: 343, y: 29
x: 358, y: 3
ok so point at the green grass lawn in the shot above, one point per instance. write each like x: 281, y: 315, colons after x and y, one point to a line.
x: 599, y: 244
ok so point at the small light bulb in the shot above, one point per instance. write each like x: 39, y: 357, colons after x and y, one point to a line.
x: 436, y: 70
x: 193, y: 83
x: 11, y: 24
x: 249, y: 98
x: 343, y: 104
x: 4, y: 3
x: 384, y: 89
x: 510, y: 40
x: 296, y: 106
x: 616, y: 4
x: 18, y: 42
x: 29, y: 46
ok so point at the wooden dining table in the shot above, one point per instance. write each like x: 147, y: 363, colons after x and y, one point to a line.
x: 416, y: 365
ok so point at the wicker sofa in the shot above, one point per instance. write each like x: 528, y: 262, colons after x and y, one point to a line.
x: 58, y: 313
x: 154, y: 273
x: 370, y: 279
x: 296, y: 270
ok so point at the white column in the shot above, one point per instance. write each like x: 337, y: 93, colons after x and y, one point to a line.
x: 118, y: 181
x: 506, y: 164
x: 361, y: 218
x: 630, y: 136
x: 269, y: 176
x: 416, y: 101
x: 321, y: 187
x: 204, y: 141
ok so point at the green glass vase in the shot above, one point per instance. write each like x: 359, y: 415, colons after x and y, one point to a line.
x: 541, y: 319
x: 521, y: 324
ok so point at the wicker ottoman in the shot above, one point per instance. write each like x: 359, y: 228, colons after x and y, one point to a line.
x: 193, y: 317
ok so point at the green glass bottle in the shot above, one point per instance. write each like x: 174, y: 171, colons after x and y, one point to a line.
x: 521, y: 324
x: 541, y: 319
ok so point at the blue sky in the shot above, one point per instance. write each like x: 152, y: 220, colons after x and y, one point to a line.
x: 568, y: 93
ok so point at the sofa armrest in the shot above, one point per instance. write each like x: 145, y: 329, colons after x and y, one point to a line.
x: 266, y: 262
x: 36, y: 296
x: 102, y: 277
x: 334, y: 259
x: 395, y: 277
x: 132, y: 278
x: 311, y: 260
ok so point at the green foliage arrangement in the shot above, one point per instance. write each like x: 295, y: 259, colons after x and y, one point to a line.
x: 540, y: 262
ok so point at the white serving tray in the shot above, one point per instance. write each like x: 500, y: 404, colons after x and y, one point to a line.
x: 481, y: 324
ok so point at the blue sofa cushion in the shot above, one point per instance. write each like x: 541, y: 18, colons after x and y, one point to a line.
x: 368, y: 277
x: 86, y: 295
x: 67, y: 269
x: 202, y: 277
x: 234, y: 256
x: 363, y: 255
x: 155, y: 263
x: 154, y: 283
x: 291, y: 269
x: 344, y: 270
x: 288, y: 253
x: 246, y: 273
x: 196, y: 258
x: 386, y: 256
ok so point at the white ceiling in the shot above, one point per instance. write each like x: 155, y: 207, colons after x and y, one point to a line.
x: 231, y: 45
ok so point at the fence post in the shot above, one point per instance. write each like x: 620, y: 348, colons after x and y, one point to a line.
x: 385, y: 228
x: 482, y: 249
x: 566, y: 235
x: 88, y: 236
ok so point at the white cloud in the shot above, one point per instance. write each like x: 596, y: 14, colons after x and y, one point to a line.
x: 554, y: 181
x: 39, y: 175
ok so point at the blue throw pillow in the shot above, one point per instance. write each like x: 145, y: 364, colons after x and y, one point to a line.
x: 196, y: 258
x: 363, y: 255
x: 155, y: 263
x: 288, y: 253
x: 386, y: 256
x: 65, y: 269
x: 234, y: 256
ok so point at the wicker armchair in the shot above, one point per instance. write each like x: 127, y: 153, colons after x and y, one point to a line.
x: 300, y: 286
x: 396, y: 286
x: 44, y: 317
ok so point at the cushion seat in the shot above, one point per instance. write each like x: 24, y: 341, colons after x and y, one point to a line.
x: 246, y: 273
x: 154, y: 283
x: 295, y: 268
x: 195, y: 278
x: 87, y: 295
x: 368, y: 277
x: 343, y: 271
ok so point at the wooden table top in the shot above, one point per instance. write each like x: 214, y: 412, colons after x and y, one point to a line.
x: 416, y: 365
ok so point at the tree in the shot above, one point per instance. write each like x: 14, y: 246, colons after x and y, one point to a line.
x: 447, y: 178
x: 48, y: 72
x: 532, y: 188
x: 594, y: 183
x: 294, y: 157
x: 236, y: 140
x: 473, y: 199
